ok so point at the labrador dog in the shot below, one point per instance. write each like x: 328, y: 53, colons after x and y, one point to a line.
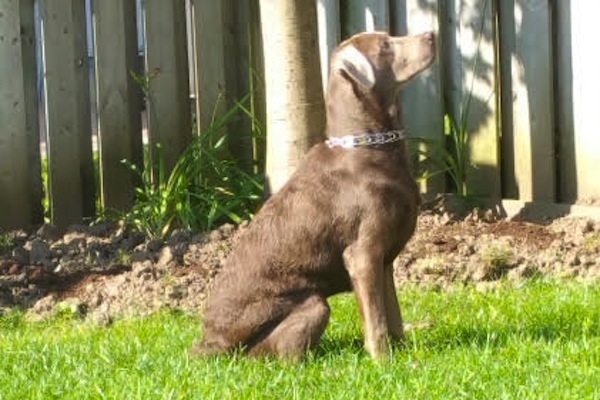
x: 336, y: 225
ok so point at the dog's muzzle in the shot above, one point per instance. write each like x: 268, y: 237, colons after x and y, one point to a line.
x: 365, y: 139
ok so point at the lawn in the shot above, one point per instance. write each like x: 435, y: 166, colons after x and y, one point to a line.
x: 538, y: 340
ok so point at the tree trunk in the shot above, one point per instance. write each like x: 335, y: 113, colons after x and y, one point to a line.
x: 294, y: 92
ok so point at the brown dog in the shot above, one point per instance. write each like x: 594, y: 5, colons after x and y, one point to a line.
x: 337, y: 224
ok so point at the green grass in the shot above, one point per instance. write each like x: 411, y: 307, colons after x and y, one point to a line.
x: 5, y: 242
x: 537, y: 341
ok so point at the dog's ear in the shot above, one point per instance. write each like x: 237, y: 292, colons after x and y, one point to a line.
x: 356, y: 65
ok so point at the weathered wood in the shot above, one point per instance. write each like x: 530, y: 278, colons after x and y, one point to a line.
x: 295, y: 106
x: 364, y: 15
x: 258, y: 105
x: 67, y: 112
x: 167, y: 94
x: 422, y: 102
x: 84, y: 110
x: 236, y: 42
x: 15, y: 194
x: 471, y: 88
x: 209, y: 61
x: 328, y: 13
x: 528, y: 106
x: 32, y: 123
x: 567, y: 171
x: 118, y: 99
x: 579, y: 88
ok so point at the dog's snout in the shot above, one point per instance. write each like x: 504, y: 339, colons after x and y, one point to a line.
x: 429, y: 36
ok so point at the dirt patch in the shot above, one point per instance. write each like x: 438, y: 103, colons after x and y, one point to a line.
x: 102, y: 271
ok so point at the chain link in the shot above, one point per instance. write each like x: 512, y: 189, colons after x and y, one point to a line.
x: 365, y: 139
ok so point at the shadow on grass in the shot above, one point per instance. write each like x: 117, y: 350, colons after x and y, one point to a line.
x: 452, y: 337
x: 338, y: 346
x: 474, y: 337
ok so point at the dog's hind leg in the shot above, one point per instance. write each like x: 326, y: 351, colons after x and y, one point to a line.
x: 299, y: 331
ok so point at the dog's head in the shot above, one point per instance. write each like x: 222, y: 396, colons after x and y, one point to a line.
x: 376, y: 58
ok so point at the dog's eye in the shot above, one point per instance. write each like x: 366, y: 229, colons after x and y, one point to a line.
x: 386, y: 48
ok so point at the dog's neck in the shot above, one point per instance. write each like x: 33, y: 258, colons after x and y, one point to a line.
x: 351, y: 111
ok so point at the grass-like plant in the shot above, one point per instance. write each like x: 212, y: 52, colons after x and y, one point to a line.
x: 498, y: 254
x: 538, y: 340
x: 206, y: 187
x: 5, y: 242
x: 451, y: 157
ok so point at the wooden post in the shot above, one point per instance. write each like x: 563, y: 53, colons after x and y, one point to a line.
x: 66, y: 72
x: 118, y: 99
x: 167, y: 92
x: 528, y: 104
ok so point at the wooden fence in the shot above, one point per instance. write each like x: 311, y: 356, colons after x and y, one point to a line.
x: 527, y: 66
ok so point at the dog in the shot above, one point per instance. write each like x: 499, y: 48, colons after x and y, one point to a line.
x: 336, y: 225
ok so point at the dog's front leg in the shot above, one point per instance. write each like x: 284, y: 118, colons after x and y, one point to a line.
x: 392, y: 307
x: 365, y: 267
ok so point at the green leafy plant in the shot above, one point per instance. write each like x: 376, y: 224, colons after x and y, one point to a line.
x: 46, y: 197
x: 436, y: 158
x: 206, y: 187
x: 497, y: 254
x: 591, y: 242
x: 5, y: 242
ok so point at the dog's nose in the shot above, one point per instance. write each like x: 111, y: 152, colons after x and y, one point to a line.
x: 429, y: 36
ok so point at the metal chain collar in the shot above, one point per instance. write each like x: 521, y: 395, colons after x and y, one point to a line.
x: 365, y: 139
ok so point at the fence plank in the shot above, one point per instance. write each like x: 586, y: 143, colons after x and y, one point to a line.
x: 528, y: 106
x: 15, y: 170
x: 84, y: 110
x: 257, y: 87
x: 364, y: 15
x: 585, y: 86
x: 118, y: 99
x: 471, y: 88
x: 567, y: 172
x: 328, y: 14
x: 32, y: 117
x: 422, y: 102
x: 236, y: 42
x: 168, y: 104
x: 209, y: 61
x: 67, y: 112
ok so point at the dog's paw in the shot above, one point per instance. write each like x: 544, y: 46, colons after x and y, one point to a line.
x: 380, y: 350
x: 204, y: 349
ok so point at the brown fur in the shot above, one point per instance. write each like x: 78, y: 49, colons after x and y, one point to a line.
x: 336, y: 225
